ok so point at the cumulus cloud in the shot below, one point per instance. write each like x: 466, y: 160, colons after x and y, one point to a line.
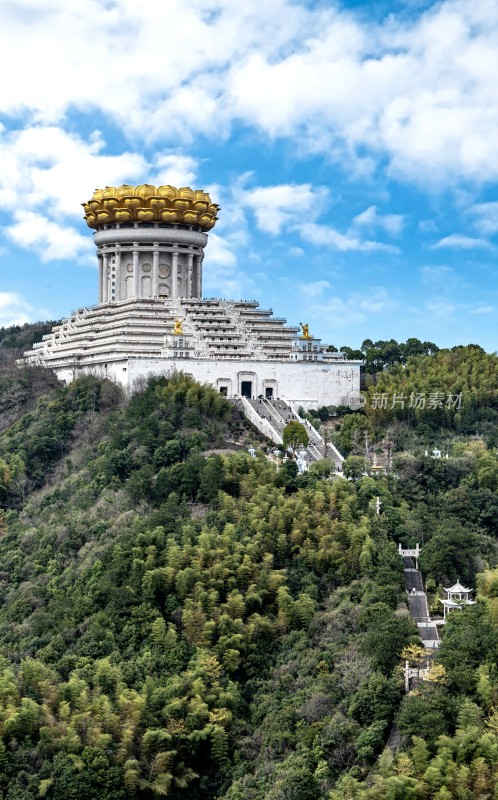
x: 48, y: 239
x: 370, y: 218
x: 485, y: 217
x: 313, y: 289
x: 276, y: 207
x: 417, y: 91
x: 14, y: 309
x: 46, y: 173
x: 459, y: 242
x: 321, y: 235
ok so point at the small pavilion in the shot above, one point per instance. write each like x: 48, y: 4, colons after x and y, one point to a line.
x: 457, y: 597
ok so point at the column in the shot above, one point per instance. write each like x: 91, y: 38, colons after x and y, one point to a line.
x: 101, y: 278
x: 174, y: 275
x: 135, y: 271
x: 198, y: 277
x: 105, y: 265
x: 189, y: 288
x: 155, y: 268
x: 117, y: 272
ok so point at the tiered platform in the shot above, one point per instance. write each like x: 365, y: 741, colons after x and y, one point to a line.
x: 235, y: 346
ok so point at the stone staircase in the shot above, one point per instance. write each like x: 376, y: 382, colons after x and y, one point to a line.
x: 270, y: 417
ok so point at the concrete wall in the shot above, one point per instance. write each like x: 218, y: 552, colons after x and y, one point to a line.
x: 307, y: 384
x: 316, y: 384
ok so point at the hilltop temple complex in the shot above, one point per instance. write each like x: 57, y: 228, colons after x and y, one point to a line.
x: 151, y: 317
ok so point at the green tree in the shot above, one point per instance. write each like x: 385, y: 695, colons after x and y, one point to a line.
x: 294, y: 435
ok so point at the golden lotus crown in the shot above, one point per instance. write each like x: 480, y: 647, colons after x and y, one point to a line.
x: 148, y: 203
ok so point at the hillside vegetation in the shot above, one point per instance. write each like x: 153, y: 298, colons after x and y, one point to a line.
x: 178, y: 620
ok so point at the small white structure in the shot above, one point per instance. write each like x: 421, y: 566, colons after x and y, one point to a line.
x: 302, y: 466
x: 410, y: 552
x: 457, y: 597
x: 415, y: 672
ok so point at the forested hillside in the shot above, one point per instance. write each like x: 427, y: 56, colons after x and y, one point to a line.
x: 181, y: 620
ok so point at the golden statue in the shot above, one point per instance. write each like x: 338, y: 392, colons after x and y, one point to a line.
x: 178, y: 328
x: 306, y: 330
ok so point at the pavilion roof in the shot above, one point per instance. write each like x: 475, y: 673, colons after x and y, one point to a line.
x: 457, y: 588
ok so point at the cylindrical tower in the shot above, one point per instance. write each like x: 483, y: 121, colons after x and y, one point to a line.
x: 150, y: 240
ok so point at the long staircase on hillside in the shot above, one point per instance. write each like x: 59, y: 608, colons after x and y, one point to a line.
x: 427, y: 628
x: 270, y: 416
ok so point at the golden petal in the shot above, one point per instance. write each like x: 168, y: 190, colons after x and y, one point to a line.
x: 186, y: 192
x: 124, y: 191
x: 144, y: 214
x: 109, y: 191
x: 167, y: 191
x: 178, y: 202
x: 157, y: 202
x: 104, y: 217
x: 131, y: 201
x: 206, y: 220
x: 201, y: 205
x: 91, y: 220
x: 169, y: 215
x: 123, y: 215
x: 190, y: 217
x: 146, y: 190
x: 110, y: 202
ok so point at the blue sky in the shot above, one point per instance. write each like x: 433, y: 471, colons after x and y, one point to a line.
x: 353, y: 149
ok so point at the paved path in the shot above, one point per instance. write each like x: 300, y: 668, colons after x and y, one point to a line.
x: 428, y: 632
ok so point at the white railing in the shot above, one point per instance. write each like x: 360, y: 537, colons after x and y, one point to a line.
x: 294, y: 407
x: 413, y: 552
x: 261, y: 424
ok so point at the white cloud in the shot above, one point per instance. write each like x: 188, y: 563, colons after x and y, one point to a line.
x: 173, y: 169
x: 460, y: 242
x: 276, y: 207
x: 221, y: 275
x: 441, y: 308
x: 50, y: 169
x: 427, y: 226
x: 14, y: 310
x: 341, y: 312
x: 49, y: 239
x: 417, y: 90
x: 46, y: 174
x: 483, y: 310
x: 219, y: 251
x: 313, y: 289
x: 442, y: 278
x: 486, y: 217
x: 296, y: 252
x: 322, y: 235
x: 370, y: 218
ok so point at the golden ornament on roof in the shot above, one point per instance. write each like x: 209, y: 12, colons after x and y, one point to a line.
x: 147, y: 203
x: 178, y: 327
x: 306, y: 330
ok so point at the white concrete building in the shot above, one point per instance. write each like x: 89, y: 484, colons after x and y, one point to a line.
x: 151, y: 318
